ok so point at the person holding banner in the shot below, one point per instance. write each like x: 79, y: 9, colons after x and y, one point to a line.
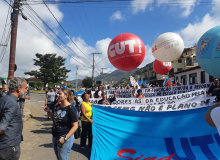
x: 106, y: 101
x: 139, y: 95
x: 86, y: 119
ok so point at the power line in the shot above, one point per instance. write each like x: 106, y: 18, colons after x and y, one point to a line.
x: 37, y: 16
x: 64, y: 30
x: 6, y: 43
x: 3, y: 34
x: 32, y: 23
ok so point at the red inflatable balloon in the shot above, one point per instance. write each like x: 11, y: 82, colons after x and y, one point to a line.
x: 162, y: 67
x: 126, y: 51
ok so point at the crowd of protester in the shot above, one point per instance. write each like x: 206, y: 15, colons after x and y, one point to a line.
x: 65, y: 109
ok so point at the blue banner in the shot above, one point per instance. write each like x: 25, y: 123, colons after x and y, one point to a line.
x: 131, y: 135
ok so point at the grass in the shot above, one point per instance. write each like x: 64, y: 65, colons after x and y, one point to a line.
x: 37, y: 91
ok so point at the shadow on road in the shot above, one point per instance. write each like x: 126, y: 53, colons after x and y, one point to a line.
x: 49, y: 145
x: 76, y: 148
x: 86, y: 153
x: 41, y: 119
x: 41, y: 131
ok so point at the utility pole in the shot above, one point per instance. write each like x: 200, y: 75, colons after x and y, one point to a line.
x: 102, y: 75
x: 76, y: 76
x: 93, y: 68
x: 14, y: 27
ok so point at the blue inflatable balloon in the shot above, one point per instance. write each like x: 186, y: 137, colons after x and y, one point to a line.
x: 208, y: 52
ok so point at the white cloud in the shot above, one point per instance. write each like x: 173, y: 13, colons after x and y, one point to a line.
x: 101, y: 59
x: 193, y: 32
x: 29, y: 40
x: 148, y: 57
x: 141, y: 5
x: 117, y: 16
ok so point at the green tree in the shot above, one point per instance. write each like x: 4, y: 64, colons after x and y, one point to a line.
x: 51, y: 68
x: 70, y: 86
x: 87, y: 82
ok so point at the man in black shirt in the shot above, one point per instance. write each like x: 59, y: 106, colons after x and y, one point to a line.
x: 11, y: 123
x: 214, y: 90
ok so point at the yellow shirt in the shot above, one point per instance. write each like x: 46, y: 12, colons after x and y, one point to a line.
x: 88, y: 110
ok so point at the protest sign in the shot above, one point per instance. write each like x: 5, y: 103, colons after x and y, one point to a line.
x: 198, y: 95
x: 158, y: 91
x: 129, y: 135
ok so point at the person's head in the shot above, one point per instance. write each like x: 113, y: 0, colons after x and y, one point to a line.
x: 139, y: 92
x: 99, y: 88
x: 4, y: 88
x: 18, y: 87
x: 180, y: 84
x: 216, y: 81
x: 108, y: 87
x: 65, y: 95
x: 51, y: 89
x: 85, y: 97
x: 116, y: 87
x: 104, y: 96
x: 86, y: 90
x: 72, y: 91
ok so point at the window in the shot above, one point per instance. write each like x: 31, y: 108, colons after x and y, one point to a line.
x: 189, y: 61
x: 193, y: 78
x: 189, y: 52
x: 203, y: 77
x: 179, y: 69
x: 194, y: 59
x: 183, y: 79
x: 179, y: 60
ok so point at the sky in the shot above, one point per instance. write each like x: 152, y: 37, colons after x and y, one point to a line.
x: 92, y: 26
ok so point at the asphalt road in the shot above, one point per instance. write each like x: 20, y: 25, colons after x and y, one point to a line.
x: 37, y: 144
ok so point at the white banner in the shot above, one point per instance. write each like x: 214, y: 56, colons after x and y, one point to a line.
x: 198, y: 95
x: 185, y: 105
x: 158, y: 91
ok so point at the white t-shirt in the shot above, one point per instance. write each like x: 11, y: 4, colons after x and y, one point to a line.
x: 215, y: 115
x: 100, y: 94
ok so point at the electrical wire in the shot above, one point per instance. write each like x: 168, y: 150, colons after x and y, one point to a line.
x: 3, y: 34
x: 6, y: 43
x: 34, y: 25
x: 32, y: 11
x: 65, y: 30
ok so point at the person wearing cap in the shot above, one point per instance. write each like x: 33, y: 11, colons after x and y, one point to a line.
x: 106, y: 101
x: 139, y: 95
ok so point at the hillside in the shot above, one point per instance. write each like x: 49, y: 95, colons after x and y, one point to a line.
x: 115, y: 75
x: 119, y: 75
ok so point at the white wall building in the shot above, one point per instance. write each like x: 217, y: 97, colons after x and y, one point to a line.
x: 194, y: 75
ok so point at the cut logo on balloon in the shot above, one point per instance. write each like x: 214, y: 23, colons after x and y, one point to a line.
x: 115, y: 48
x: 203, y: 46
x: 167, y: 64
x: 126, y: 51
